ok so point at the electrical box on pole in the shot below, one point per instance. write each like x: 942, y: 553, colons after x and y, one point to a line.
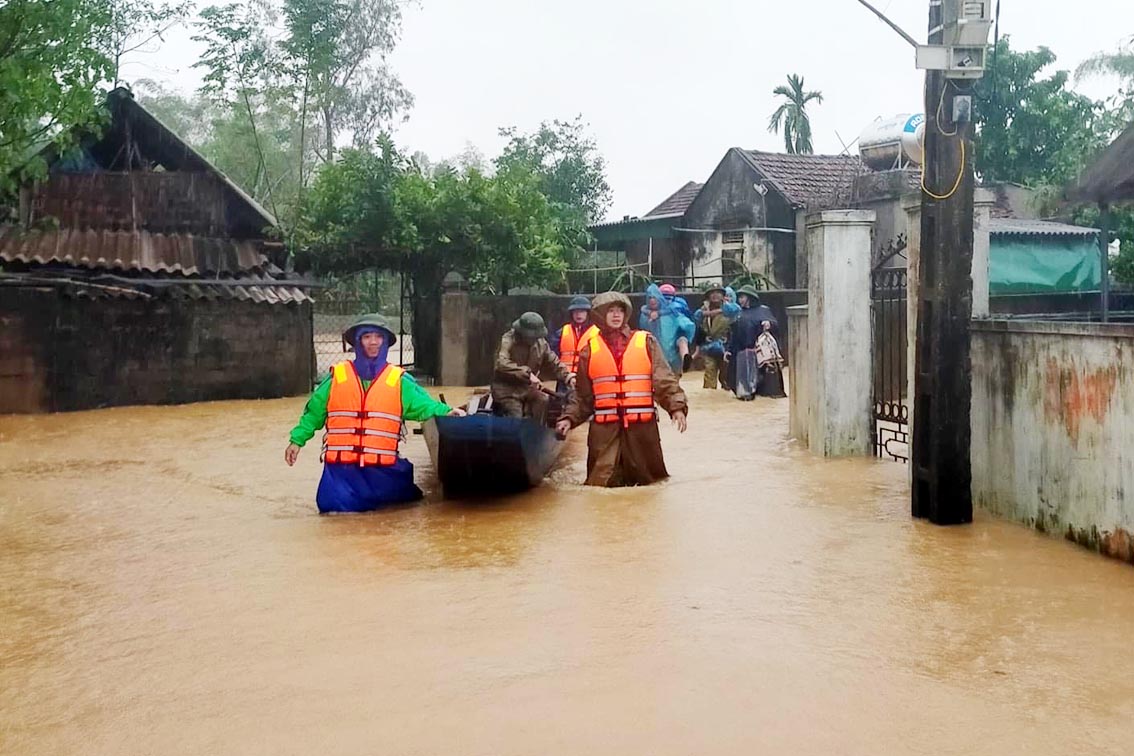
x: 963, y: 40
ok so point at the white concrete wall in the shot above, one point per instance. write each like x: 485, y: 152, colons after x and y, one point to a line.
x: 1053, y: 428
x: 839, y: 333
x: 706, y: 262
x: 758, y: 254
x: 801, y: 394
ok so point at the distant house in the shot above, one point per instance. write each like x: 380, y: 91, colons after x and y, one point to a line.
x: 137, y: 273
x: 746, y: 217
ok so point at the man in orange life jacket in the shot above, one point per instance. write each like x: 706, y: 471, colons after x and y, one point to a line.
x: 621, y: 375
x: 363, y: 403
x: 574, y: 334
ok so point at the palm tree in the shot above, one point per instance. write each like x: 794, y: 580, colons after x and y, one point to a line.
x: 1119, y: 63
x: 792, y: 115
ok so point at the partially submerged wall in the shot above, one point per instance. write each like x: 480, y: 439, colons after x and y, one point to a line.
x: 61, y: 353
x: 1053, y: 428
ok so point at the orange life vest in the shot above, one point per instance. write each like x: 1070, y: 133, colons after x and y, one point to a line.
x: 623, y: 391
x: 364, y: 427
x: 569, y: 348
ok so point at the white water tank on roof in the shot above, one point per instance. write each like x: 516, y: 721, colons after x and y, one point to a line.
x: 893, y: 142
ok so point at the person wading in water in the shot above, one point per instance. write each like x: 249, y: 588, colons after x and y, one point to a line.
x: 363, y: 403
x: 622, y: 373
x: 714, y: 320
x: 753, y: 320
x: 574, y: 335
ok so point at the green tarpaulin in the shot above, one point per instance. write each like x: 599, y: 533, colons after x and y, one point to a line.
x: 1031, y: 264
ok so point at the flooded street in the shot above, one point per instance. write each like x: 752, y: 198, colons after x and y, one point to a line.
x: 168, y: 588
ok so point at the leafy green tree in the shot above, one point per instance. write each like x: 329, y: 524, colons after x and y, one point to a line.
x: 134, y: 25
x: 1119, y: 110
x: 1030, y: 128
x: 188, y: 117
x: 337, y: 52
x: 791, y: 116
x: 566, y: 160
x: 375, y: 209
x: 50, y: 71
x: 1118, y: 63
x: 1034, y: 130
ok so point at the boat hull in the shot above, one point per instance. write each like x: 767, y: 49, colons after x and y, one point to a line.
x: 485, y: 455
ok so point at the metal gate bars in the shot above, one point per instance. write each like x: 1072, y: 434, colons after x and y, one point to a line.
x: 890, y: 407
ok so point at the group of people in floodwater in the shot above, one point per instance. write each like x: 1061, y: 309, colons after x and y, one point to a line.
x: 609, y: 373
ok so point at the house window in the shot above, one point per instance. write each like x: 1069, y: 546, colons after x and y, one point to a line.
x: 732, y: 253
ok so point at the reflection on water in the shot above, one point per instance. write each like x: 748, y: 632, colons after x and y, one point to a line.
x: 168, y: 588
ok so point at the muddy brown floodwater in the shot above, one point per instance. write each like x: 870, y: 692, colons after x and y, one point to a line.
x: 167, y: 588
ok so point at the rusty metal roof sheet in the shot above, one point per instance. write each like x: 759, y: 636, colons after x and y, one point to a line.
x: 678, y: 202
x: 138, y: 251
x: 101, y: 263
x: 265, y: 289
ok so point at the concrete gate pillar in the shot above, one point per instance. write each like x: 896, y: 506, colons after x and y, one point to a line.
x: 983, y: 201
x: 839, y: 333
x: 911, y: 204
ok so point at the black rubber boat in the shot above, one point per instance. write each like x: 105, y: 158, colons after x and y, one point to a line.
x: 486, y: 455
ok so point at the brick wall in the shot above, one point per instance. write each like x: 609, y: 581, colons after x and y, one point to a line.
x: 59, y: 353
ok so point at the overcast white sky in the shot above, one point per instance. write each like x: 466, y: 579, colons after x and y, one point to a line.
x: 669, y: 86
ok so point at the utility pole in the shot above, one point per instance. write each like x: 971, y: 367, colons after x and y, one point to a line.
x: 940, y: 453
x: 942, y: 473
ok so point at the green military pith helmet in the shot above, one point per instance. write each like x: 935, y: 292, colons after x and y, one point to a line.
x: 750, y: 291
x: 371, y: 319
x: 530, y: 325
x: 714, y: 287
x: 579, y: 303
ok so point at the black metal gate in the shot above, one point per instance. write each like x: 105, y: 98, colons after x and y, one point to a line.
x: 890, y: 407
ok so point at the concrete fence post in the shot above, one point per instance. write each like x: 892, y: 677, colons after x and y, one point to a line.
x: 801, y: 397
x: 839, y: 332
x: 454, y: 332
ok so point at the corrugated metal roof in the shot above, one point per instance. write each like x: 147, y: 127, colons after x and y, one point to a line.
x: 272, y: 291
x: 131, y: 251
x: 811, y: 181
x: 678, y: 202
x: 1022, y: 227
x: 102, y: 264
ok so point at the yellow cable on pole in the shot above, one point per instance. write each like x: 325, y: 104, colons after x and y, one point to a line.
x: 956, y: 184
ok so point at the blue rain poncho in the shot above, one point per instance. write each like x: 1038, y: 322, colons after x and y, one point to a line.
x: 668, y: 327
